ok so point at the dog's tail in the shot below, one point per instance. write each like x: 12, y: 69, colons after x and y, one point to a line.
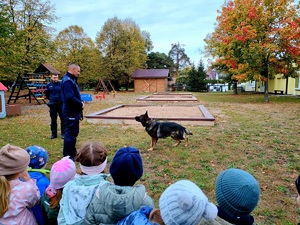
x: 188, y: 132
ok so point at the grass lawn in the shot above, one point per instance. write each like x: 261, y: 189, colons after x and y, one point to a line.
x: 262, y: 138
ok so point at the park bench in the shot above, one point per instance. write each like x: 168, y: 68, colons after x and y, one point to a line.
x: 278, y: 91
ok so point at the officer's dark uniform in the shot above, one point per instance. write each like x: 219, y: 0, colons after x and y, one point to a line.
x: 53, y: 93
x: 72, y: 108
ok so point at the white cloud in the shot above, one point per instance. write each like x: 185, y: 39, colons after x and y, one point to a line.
x: 167, y: 21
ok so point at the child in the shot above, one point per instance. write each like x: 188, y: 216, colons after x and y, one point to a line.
x: 237, y: 194
x: 62, y: 171
x: 112, y: 202
x: 38, y: 159
x: 181, y: 203
x: 16, y: 197
x: 297, y: 183
x: 78, y: 193
x: 185, y: 203
x: 145, y: 216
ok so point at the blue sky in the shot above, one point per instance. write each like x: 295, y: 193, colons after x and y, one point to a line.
x: 168, y: 21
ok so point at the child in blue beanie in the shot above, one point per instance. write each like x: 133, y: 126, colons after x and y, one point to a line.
x: 237, y: 193
x: 38, y: 160
x: 114, y: 201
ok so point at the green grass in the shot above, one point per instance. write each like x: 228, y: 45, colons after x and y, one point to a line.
x: 262, y: 138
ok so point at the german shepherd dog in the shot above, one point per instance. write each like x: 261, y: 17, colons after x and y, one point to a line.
x: 163, y: 129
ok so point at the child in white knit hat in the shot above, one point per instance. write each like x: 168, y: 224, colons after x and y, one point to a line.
x: 182, y: 203
x: 18, y: 192
x: 62, y: 172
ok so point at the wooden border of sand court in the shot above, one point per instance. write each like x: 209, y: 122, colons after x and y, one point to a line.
x: 125, y: 114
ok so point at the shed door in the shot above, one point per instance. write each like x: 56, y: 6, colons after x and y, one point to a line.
x: 149, y: 85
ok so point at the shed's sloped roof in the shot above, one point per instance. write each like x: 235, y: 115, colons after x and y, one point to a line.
x: 151, y: 73
x: 46, y: 67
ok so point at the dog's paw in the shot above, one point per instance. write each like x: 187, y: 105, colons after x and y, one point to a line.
x: 177, y: 143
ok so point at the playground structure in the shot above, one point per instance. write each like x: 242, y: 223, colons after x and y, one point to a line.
x: 2, y: 101
x: 102, y: 86
x: 32, y: 85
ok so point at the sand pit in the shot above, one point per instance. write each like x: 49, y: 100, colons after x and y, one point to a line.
x: 168, y: 97
x: 125, y: 114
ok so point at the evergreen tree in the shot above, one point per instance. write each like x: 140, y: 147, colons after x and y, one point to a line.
x: 197, y: 78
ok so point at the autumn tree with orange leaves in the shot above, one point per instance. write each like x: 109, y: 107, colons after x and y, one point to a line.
x: 256, y: 39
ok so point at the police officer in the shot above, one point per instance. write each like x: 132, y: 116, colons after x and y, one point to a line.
x: 53, y: 94
x: 72, y: 109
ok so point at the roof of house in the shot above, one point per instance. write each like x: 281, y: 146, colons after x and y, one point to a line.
x: 46, y: 67
x: 2, y: 87
x: 151, y: 73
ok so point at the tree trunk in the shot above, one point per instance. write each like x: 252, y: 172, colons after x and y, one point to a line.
x: 266, y: 95
x: 265, y: 74
x: 127, y: 81
x: 286, y: 85
x: 235, y: 88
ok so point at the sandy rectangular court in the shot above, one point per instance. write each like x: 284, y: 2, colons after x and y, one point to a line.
x: 125, y: 114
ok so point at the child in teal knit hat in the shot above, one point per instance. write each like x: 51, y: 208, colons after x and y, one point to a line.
x: 237, y: 193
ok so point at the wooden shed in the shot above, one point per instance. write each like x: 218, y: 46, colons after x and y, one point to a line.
x: 47, y: 69
x: 151, y: 80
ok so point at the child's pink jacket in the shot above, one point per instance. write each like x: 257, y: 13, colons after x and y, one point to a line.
x: 24, y: 195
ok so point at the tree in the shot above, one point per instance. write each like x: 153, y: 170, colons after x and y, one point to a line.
x: 74, y: 46
x: 179, y: 57
x: 7, y: 31
x: 157, y: 60
x: 197, y: 78
x: 123, y: 47
x: 148, y: 41
x: 30, y: 43
x: 257, y: 39
x: 183, y: 77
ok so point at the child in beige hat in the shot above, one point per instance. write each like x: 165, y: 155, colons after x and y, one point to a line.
x: 16, y: 196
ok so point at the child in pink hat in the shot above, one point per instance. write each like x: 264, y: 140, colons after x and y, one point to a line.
x: 62, y: 171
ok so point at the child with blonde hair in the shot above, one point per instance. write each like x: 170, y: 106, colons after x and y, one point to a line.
x: 18, y: 192
x: 62, y: 171
x: 78, y: 193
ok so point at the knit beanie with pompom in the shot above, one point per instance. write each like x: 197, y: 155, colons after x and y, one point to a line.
x: 184, y: 203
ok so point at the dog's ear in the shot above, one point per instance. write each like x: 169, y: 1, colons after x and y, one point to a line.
x: 146, y: 114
